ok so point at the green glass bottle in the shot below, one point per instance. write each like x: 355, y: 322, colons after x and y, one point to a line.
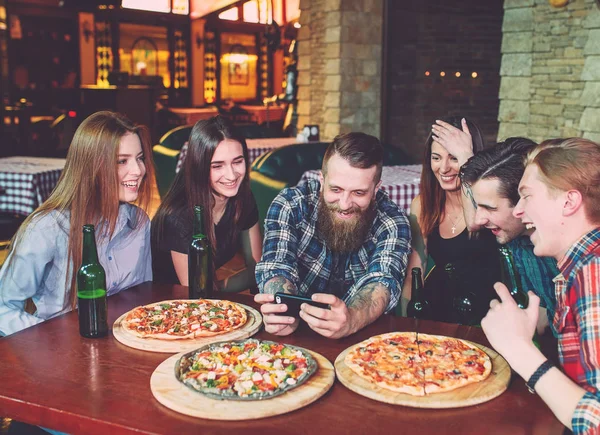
x: 200, y: 279
x: 91, y: 289
x: 419, y: 306
x: 462, y: 300
x: 511, y: 277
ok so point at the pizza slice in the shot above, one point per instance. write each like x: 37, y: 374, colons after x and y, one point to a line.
x: 390, y: 361
x: 451, y: 363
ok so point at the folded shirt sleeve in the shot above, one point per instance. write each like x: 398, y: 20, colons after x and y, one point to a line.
x: 388, y: 264
x: 22, y: 277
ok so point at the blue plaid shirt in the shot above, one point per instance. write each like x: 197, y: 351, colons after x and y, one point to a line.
x: 294, y: 250
x: 537, y: 273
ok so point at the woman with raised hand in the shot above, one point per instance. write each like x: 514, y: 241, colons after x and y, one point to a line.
x: 466, y: 264
x: 215, y: 175
x: 108, y: 167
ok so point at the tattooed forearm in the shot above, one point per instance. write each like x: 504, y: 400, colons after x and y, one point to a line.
x: 368, y: 304
x: 279, y: 284
x: 364, y: 297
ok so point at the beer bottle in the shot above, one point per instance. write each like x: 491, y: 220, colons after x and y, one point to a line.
x: 462, y: 303
x: 511, y: 277
x: 200, y: 279
x: 91, y: 289
x: 419, y: 306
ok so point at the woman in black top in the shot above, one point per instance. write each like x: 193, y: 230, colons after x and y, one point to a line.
x: 460, y: 286
x: 215, y: 175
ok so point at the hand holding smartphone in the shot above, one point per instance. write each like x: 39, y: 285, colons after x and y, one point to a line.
x: 293, y: 303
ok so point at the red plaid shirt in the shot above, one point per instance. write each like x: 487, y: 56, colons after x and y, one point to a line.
x: 577, y: 322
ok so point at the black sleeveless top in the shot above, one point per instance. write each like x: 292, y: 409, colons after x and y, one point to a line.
x: 178, y: 228
x: 476, y: 264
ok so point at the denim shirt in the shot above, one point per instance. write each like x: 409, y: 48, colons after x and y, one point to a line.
x: 37, y: 268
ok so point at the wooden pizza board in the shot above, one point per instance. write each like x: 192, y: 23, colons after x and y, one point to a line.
x: 173, y: 394
x: 251, y: 327
x: 494, y: 385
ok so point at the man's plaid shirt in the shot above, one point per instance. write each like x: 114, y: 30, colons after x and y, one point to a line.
x: 577, y: 322
x: 294, y: 250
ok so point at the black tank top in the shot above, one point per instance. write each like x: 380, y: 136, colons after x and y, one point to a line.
x: 476, y: 268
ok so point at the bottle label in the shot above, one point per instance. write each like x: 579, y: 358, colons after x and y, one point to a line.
x: 91, y: 294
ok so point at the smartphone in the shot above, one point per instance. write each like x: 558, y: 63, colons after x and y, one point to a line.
x: 293, y: 303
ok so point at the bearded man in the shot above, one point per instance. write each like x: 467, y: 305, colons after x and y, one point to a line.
x: 339, y: 240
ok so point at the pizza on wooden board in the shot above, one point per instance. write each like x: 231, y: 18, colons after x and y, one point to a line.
x: 245, y: 370
x: 184, y: 319
x: 397, y: 361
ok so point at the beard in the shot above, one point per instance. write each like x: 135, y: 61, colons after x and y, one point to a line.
x: 344, y: 236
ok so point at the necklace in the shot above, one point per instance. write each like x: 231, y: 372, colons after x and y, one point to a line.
x: 455, y: 222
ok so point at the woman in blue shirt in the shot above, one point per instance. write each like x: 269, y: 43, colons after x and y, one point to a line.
x: 105, y: 171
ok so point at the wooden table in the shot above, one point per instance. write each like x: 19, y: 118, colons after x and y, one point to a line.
x: 190, y: 115
x: 263, y: 114
x: 50, y: 376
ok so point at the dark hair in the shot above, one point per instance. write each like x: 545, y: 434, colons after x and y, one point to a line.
x: 504, y: 162
x: 433, y: 197
x: 361, y: 150
x: 192, y: 184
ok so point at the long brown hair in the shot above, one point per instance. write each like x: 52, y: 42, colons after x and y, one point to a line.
x: 88, y: 188
x: 191, y: 185
x: 433, y: 197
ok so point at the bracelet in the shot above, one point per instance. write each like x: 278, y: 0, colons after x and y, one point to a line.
x: 541, y: 371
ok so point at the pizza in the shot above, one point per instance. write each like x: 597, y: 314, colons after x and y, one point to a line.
x: 397, y: 361
x: 184, y: 319
x: 245, y: 370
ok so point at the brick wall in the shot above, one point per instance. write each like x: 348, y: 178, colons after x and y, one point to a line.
x: 438, y: 36
x: 550, y: 70
x: 339, y: 66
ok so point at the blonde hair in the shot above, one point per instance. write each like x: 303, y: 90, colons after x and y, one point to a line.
x: 571, y: 164
x: 88, y: 188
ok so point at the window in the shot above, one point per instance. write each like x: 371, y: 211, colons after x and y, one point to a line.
x: 230, y: 15
x: 144, y: 51
x: 181, y: 7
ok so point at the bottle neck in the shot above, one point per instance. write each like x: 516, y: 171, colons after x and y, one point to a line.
x: 89, y: 253
x: 198, y: 231
x: 417, y: 286
x: 509, y: 267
